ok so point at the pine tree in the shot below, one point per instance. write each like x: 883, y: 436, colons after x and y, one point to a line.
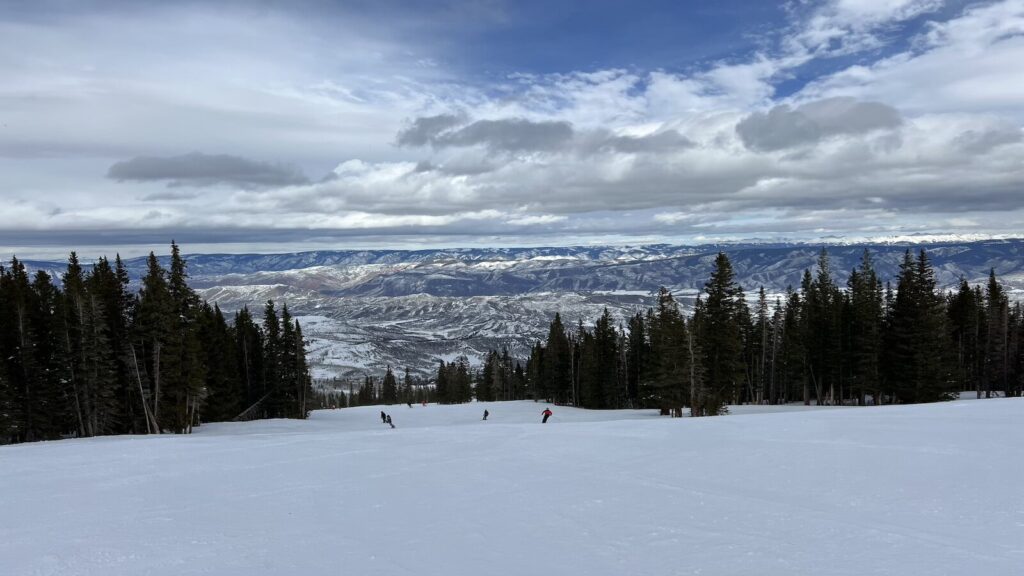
x: 917, y: 335
x: 965, y: 314
x: 483, y: 389
x: 389, y: 390
x: 721, y: 329
x: 272, y: 369
x: 556, y: 365
x: 823, y: 331
x: 45, y: 407
x: 249, y: 356
x: 183, y: 371
x: 610, y: 394
x: 224, y: 392
x: 151, y: 332
x: 759, y: 357
x: 997, y: 315
x: 792, y: 357
x: 670, y: 355
x: 460, y: 380
x: 865, y: 329
x: 637, y: 354
x: 408, y: 396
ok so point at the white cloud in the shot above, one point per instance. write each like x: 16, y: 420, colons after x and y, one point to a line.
x: 927, y: 137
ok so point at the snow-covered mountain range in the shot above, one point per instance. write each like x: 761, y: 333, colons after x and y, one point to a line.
x: 365, y: 309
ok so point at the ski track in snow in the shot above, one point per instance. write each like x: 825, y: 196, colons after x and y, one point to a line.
x: 927, y: 489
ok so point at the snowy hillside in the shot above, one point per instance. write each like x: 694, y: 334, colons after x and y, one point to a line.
x: 925, y: 489
x: 364, y: 310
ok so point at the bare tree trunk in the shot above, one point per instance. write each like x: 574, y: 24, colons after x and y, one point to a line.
x: 156, y: 381
x: 695, y: 407
x: 151, y: 425
x: 74, y: 384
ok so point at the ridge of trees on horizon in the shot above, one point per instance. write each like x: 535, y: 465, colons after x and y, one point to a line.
x: 87, y: 357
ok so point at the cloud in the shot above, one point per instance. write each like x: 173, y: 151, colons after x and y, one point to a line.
x: 425, y: 130
x: 785, y: 127
x: 983, y: 139
x: 901, y: 123
x: 510, y: 135
x: 169, y: 196
x: 666, y: 141
x: 841, y: 27
x: 536, y: 219
x: 199, y: 170
x: 500, y: 135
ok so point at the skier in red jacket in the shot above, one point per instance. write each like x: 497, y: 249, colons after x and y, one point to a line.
x: 547, y: 414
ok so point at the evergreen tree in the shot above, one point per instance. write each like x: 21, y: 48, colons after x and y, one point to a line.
x: 759, y: 345
x: 224, y: 391
x: 823, y: 332
x: 441, y: 387
x: 997, y: 333
x: 389, y: 388
x: 917, y: 335
x: 637, y: 354
x: 670, y: 357
x: 865, y: 329
x: 721, y: 329
x: 484, y: 389
x: 965, y: 316
x: 556, y: 365
x: 408, y: 396
x: 45, y: 405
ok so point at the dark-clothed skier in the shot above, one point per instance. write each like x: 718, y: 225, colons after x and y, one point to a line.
x: 547, y: 414
x: 486, y: 414
x: 389, y: 421
x: 383, y: 417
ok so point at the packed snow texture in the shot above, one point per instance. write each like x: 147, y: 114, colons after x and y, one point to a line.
x: 928, y: 489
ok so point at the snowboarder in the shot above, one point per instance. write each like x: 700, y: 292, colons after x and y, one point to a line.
x: 383, y: 417
x: 486, y: 414
x: 409, y: 404
x: 547, y: 414
x: 389, y: 421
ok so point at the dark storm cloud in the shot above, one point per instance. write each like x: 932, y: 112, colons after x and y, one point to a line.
x: 197, y: 169
x: 784, y: 127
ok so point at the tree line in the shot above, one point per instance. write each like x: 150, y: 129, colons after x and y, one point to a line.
x: 498, y: 377
x: 870, y: 342
x: 83, y: 355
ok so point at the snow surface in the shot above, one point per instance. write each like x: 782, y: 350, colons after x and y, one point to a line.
x: 929, y: 489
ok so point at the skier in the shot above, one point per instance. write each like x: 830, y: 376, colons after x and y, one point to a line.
x: 389, y: 421
x: 547, y: 414
x: 383, y: 417
x: 486, y: 414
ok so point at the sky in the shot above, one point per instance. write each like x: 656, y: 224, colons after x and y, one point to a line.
x: 280, y: 126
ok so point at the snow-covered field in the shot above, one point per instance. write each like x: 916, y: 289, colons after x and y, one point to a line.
x: 929, y: 489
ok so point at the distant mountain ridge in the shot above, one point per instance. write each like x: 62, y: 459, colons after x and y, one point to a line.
x: 366, y: 309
